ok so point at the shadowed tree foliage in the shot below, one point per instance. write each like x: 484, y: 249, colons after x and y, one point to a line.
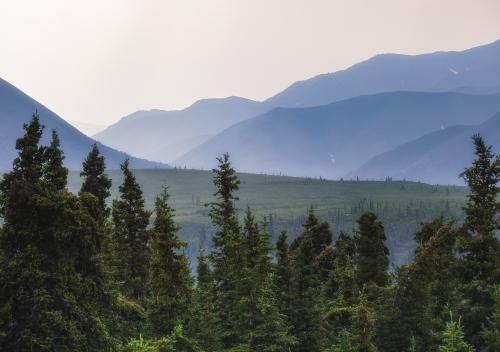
x: 95, y: 181
x: 50, y: 295
x: 372, y: 254
x: 480, y: 269
x: 171, y: 284
x: 131, y: 237
x: 227, y: 258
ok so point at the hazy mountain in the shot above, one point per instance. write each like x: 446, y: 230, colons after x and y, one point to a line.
x: 86, y: 128
x: 17, y: 108
x: 336, y: 139
x: 437, y: 157
x: 166, y: 135
x: 476, y: 69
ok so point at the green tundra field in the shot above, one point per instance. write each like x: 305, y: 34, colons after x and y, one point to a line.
x: 401, y: 205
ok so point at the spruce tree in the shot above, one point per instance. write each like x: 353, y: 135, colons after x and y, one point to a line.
x: 453, y: 338
x: 491, y: 332
x: 305, y: 312
x: 480, y: 249
x: 48, y: 301
x: 266, y: 327
x: 171, y: 285
x: 283, y: 275
x: 95, y: 181
x: 363, y: 327
x: 372, y: 254
x: 203, y: 325
x: 343, y: 344
x: 131, y: 237
x: 226, y: 258
x: 55, y: 173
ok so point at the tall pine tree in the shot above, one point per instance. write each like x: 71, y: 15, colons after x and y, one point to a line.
x: 479, y: 247
x: 171, y: 284
x: 226, y: 258
x: 131, y: 237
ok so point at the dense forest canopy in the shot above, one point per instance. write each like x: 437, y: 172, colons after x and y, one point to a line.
x: 81, y: 274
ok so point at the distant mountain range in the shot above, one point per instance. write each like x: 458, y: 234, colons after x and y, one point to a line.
x: 437, y: 157
x: 333, y: 140
x: 167, y: 135
x: 17, y: 108
x: 397, y: 116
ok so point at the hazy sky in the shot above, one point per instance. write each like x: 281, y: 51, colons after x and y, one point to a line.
x: 97, y: 61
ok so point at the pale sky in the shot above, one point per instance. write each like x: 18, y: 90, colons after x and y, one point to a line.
x: 98, y: 60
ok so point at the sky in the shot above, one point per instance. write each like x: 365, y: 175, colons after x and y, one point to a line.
x: 96, y: 61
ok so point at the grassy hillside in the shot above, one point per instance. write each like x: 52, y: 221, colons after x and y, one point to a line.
x: 284, y: 200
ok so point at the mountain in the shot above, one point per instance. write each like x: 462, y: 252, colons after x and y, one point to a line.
x: 437, y: 157
x: 17, y: 108
x: 473, y: 70
x: 335, y: 139
x: 89, y: 129
x: 166, y: 135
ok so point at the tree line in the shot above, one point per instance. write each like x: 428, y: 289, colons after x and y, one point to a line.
x: 79, y: 275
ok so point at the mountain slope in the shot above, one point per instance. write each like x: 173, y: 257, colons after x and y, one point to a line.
x: 336, y: 139
x: 164, y: 135
x: 475, y: 69
x: 17, y: 108
x: 437, y: 157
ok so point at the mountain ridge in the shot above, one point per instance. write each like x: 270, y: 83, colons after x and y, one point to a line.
x: 16, y: 108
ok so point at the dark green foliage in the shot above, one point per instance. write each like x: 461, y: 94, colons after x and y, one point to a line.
x: 171, y: 284
x: 227, y: 258
x: 203, y: 325
x: 421, y: 295
x: 363, y: 327
x: 283, y: 275
x: 72, y: 282
x: 51, y: 289
x: 491, y: 333
x: 266, y: 325
x: 54, y: 171
x: 131, y: 237
x: 95, y: 181
x: 305, y: 316
x: 341, y: 280
x: 372, y: 260
x: 479, y: 246
x: 343, y: 344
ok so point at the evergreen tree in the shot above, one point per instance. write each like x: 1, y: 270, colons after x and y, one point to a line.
x: 491, y: 333
x: 131, y: 237
x: 373, y: 256
x: 479, y: 247
x: 227, y: 257
x: 171, y: 285
x: 363, y: 327
x: 55, y: 173
x: 95, y: 181
x: 203, y: 325
x: 265, y: 325
x: 341, y: 280
x: 416, y: 303
x: 283, y: 275
x: 453, y: 338
x: 48, y: 301
x: 305, y: 312
x: 343, y: 344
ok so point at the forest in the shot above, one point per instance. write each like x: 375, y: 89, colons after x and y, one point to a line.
x: 78, y: 274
